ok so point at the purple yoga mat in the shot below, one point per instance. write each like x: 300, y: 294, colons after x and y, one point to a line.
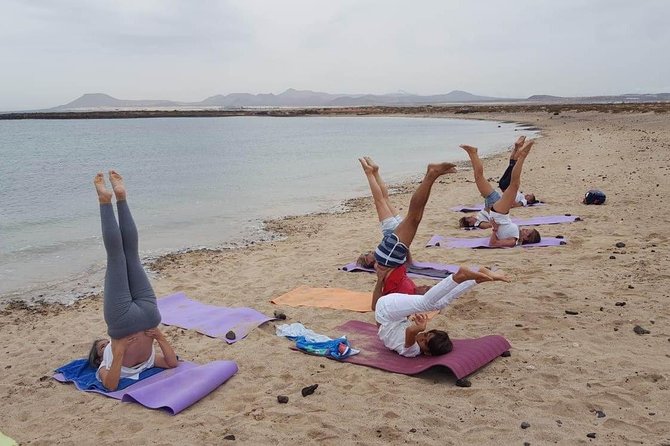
x: 467, y: 356
x: 480, y: 207
x: 546, y: 220
x: 173, y: 389
x: 210, y: 320
x: 483, y: 242
x: 419, y: 270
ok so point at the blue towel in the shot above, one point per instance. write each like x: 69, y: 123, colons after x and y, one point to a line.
x: 83, y: 376
x: 335, y: 348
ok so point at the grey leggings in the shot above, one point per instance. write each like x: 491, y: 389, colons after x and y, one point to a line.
x: 130, y: 303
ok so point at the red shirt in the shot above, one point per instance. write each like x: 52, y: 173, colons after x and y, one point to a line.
x: 398, y: 282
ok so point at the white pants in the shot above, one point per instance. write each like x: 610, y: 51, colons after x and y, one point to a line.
x: 397, y: 306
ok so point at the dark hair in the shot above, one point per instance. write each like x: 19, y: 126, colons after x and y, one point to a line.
x: 464, y: 223
x: 94, y: 359
x: 533, y: 237
x: 439, y: 343
x: 532, y: 199
x: 361, y: 261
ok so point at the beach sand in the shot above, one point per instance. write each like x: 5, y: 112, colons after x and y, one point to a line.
x: 562, y: 369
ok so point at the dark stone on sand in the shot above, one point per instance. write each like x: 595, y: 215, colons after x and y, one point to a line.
x: 525, y: 425
x: 280, y: 315
x: 568, y: 215
x: 230, y: 335
x: 563, y: 243
x: 600, y: 414
x: 620, y: 245
x: 578, y: 219
x: 309, y: 389
x: 229, y: 437
x: 559, y: 236
x: 322, y: 366
x: 571, y: 312
x: 282, y: 399
x: 641, y: 331
x: 612, y: 257
x: 591, y: 435
x: 518, y: 325
x: 506, y: 354
x: 44, y: 378
x: 412, y: 430
x: 630, y: 287
x: 620, y: 304
x: 526, y: 443
x: 463, y: 382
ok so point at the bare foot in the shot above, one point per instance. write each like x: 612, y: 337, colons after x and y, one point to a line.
x: 469, y: 149
x: 104, y: 196
x: 366, y: 167
x: 117, y: 185
x: 525, y: 150
x: 495, y: 275
x: 517, y: 145
x: 440, y: 169
x: 465, y: 273
x: 375, y: 167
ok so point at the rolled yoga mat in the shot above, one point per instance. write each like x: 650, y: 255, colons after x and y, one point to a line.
x: 468, y: 355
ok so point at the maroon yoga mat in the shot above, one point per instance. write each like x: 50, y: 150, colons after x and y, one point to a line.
x: 468, y: 355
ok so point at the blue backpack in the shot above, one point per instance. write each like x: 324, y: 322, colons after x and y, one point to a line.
x: 594, y: 196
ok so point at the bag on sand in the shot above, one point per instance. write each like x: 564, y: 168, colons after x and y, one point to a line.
x: 594, y: 196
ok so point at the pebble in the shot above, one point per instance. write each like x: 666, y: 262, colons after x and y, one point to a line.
x: 280, y: 315
x: 641, y: 331
x: 571, y: 312
x: 525, y: 425
x: 309, y: 389
x: 230, y: 335
x: 630, y: 287
x: 620, y: 245
x: 591, y: 435
x: 526, y: 443
x: 463, y: 382
x: 620, y: 304
x: 559, y: 236
x: 518, y: 325
x: 506, y: 354
x: 412, y: 430
x: 229, y: 437
x: 612, y: 257
x: 282, y: 399
x: 600, y: 414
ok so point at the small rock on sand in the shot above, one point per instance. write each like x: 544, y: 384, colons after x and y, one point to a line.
x: 230, y: 335
x: 525, y: 425
x: 641, y: 331
x: 309, y: 389
x: 282, y: 399
x: 463, y: 382
x: 591, y: 435
x: 620, y: 245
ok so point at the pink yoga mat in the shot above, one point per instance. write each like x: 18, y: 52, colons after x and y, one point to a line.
x: 468, y: 355
x: 483, y: 242
x: 546, y: 220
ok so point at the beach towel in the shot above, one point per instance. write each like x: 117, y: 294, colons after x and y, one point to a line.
x: 483, y: 242
x: 546, y: 220
x: 468, y: 355
x: 6, y: 441
x: 210, y: 320
x: 336, y: 298
x: 418, y: 270
x: 313, y: 343
x: 172, y: 389
x: 480, y: 207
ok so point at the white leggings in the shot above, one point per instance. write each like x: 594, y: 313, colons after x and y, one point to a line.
x: 396, y: 306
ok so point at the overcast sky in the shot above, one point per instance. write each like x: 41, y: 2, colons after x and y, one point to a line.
x: 52, y: 52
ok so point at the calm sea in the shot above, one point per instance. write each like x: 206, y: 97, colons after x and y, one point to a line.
x: 193, y: 182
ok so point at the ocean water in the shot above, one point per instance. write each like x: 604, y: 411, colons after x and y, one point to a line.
x: 192, y: 182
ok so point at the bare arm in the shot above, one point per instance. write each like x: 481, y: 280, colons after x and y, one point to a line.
x: 168, y: 358
x: 420, y: 321
x: 382, y: 272
x: 484, y: 225
x: 495, y: 242
x: 110, y: 377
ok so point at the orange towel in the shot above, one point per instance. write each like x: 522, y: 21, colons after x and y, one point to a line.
x: 337, y: 298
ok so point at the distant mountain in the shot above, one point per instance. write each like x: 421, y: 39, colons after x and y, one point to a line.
x: 308, y: 98
x: 289, y: 98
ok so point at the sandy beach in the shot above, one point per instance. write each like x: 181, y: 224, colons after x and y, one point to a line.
x: 563, y: 368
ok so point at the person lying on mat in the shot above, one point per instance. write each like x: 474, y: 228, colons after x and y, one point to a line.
x: 397, y: 233
x: 402, y: 319
x: 482, y: 218
x: 130, y: 307
x: 505, y: 233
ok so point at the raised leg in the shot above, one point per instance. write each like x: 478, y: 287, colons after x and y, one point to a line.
x: 483, y: 185
x: 505, y: 179
x: 379, y: 196
x: 406, y: 230
x: 382, y: 184
x: 508, y: 198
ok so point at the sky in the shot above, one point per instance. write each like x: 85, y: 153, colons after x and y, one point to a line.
x: 52, y: 52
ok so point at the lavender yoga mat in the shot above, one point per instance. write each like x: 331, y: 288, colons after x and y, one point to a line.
x: 483, y: 242
x: 419, y: 270
x: 480, y: 207
x: 210, y: 320
x: 468, y: 355
x: 174, y: 389
x: 546, y: 220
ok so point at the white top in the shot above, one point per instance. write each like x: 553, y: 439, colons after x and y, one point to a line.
x: 482, y: 216
x: 506, y: 229
x: 126, y: 372
x: 392, y: 335
x: 521, y: 199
